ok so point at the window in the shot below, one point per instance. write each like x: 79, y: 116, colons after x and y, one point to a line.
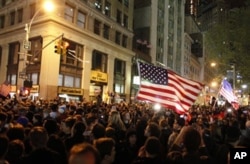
x: 107, y: 8
x: 106, y: 31
x: 119, y: 16
x: 13, y: 79
x: 124, y: 41
x: 68, y: 81
x: 32, y: 10
x: 2, y: 21
x: 98, y: 5
x: 119, y: 76
x: 117, y: 37
x: 13, y: 53
x: 99, y: 61
x: 81, y: 19
x: 77, y: 82
x: 119, y: 67
x: 12, y: 17
x: 126, y: 3
x: 34, y: 78
x: 60, y: 80
x: 125, y: 21
x: 19, y: 15
x: 74, y: 55
x: 97, y: 27
x: 69, y: 13
x: 119, y: 88
x: 36, y: 46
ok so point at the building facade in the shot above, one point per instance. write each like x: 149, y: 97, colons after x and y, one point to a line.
x: 98, y: 61
x: 161, y: 30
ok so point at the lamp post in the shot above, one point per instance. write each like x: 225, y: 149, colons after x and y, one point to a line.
x: 48, y: 6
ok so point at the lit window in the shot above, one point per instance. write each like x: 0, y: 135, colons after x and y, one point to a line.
x: 68, y: 81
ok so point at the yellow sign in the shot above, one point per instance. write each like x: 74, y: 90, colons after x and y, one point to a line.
x: 70, y: 91
x: 34, y: 89
x: 99, y: 76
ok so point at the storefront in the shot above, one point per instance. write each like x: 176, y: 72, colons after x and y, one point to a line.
x: 99, y: 81
x: 70, y: 94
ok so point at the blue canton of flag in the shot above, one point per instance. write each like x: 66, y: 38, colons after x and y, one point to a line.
x: 227, y: 92
x: 152, y: 74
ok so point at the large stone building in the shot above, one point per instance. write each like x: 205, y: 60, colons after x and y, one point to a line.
x: 99, y: 33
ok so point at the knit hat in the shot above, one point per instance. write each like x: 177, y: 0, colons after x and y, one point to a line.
x: 23, y: 120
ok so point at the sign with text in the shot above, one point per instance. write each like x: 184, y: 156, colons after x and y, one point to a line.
x: 99, y: 76
x: 34, y: 89
x: 239, y: 155
x: 70, y: 91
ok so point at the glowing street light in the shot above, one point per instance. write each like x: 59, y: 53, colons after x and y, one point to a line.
x: 213, y: 64
x: 47, y: 6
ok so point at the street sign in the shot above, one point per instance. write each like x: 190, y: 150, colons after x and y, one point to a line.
x: 27, y: 45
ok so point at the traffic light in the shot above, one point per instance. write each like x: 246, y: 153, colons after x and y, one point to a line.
x: 65, y: 48
x: 58, y: 47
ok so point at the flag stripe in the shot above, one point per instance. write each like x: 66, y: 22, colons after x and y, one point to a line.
x: 178, y: 94
x: 227, y: 92
x: 168, y: 91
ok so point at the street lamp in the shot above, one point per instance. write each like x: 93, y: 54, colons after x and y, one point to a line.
x: 48, y: 6
x: 213, y: 64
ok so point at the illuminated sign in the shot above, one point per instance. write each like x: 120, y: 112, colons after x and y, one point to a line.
x: 34, y: 89
x: 99, y: 76
x: 70, y: 91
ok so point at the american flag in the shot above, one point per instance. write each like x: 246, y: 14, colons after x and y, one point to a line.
x: 227, y: 92
x: 5, y: 89
x: 159, y: 85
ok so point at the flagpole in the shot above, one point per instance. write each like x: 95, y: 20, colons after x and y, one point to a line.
x: 217, y: 95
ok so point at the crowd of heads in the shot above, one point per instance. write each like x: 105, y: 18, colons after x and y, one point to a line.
x: 84, y: 132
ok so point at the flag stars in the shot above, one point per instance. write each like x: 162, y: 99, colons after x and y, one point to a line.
x: 152, y: 74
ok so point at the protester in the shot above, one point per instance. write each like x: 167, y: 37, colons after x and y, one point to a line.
x: 129, y: 125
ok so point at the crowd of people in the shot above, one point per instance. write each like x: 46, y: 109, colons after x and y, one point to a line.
x: 60, y: 132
